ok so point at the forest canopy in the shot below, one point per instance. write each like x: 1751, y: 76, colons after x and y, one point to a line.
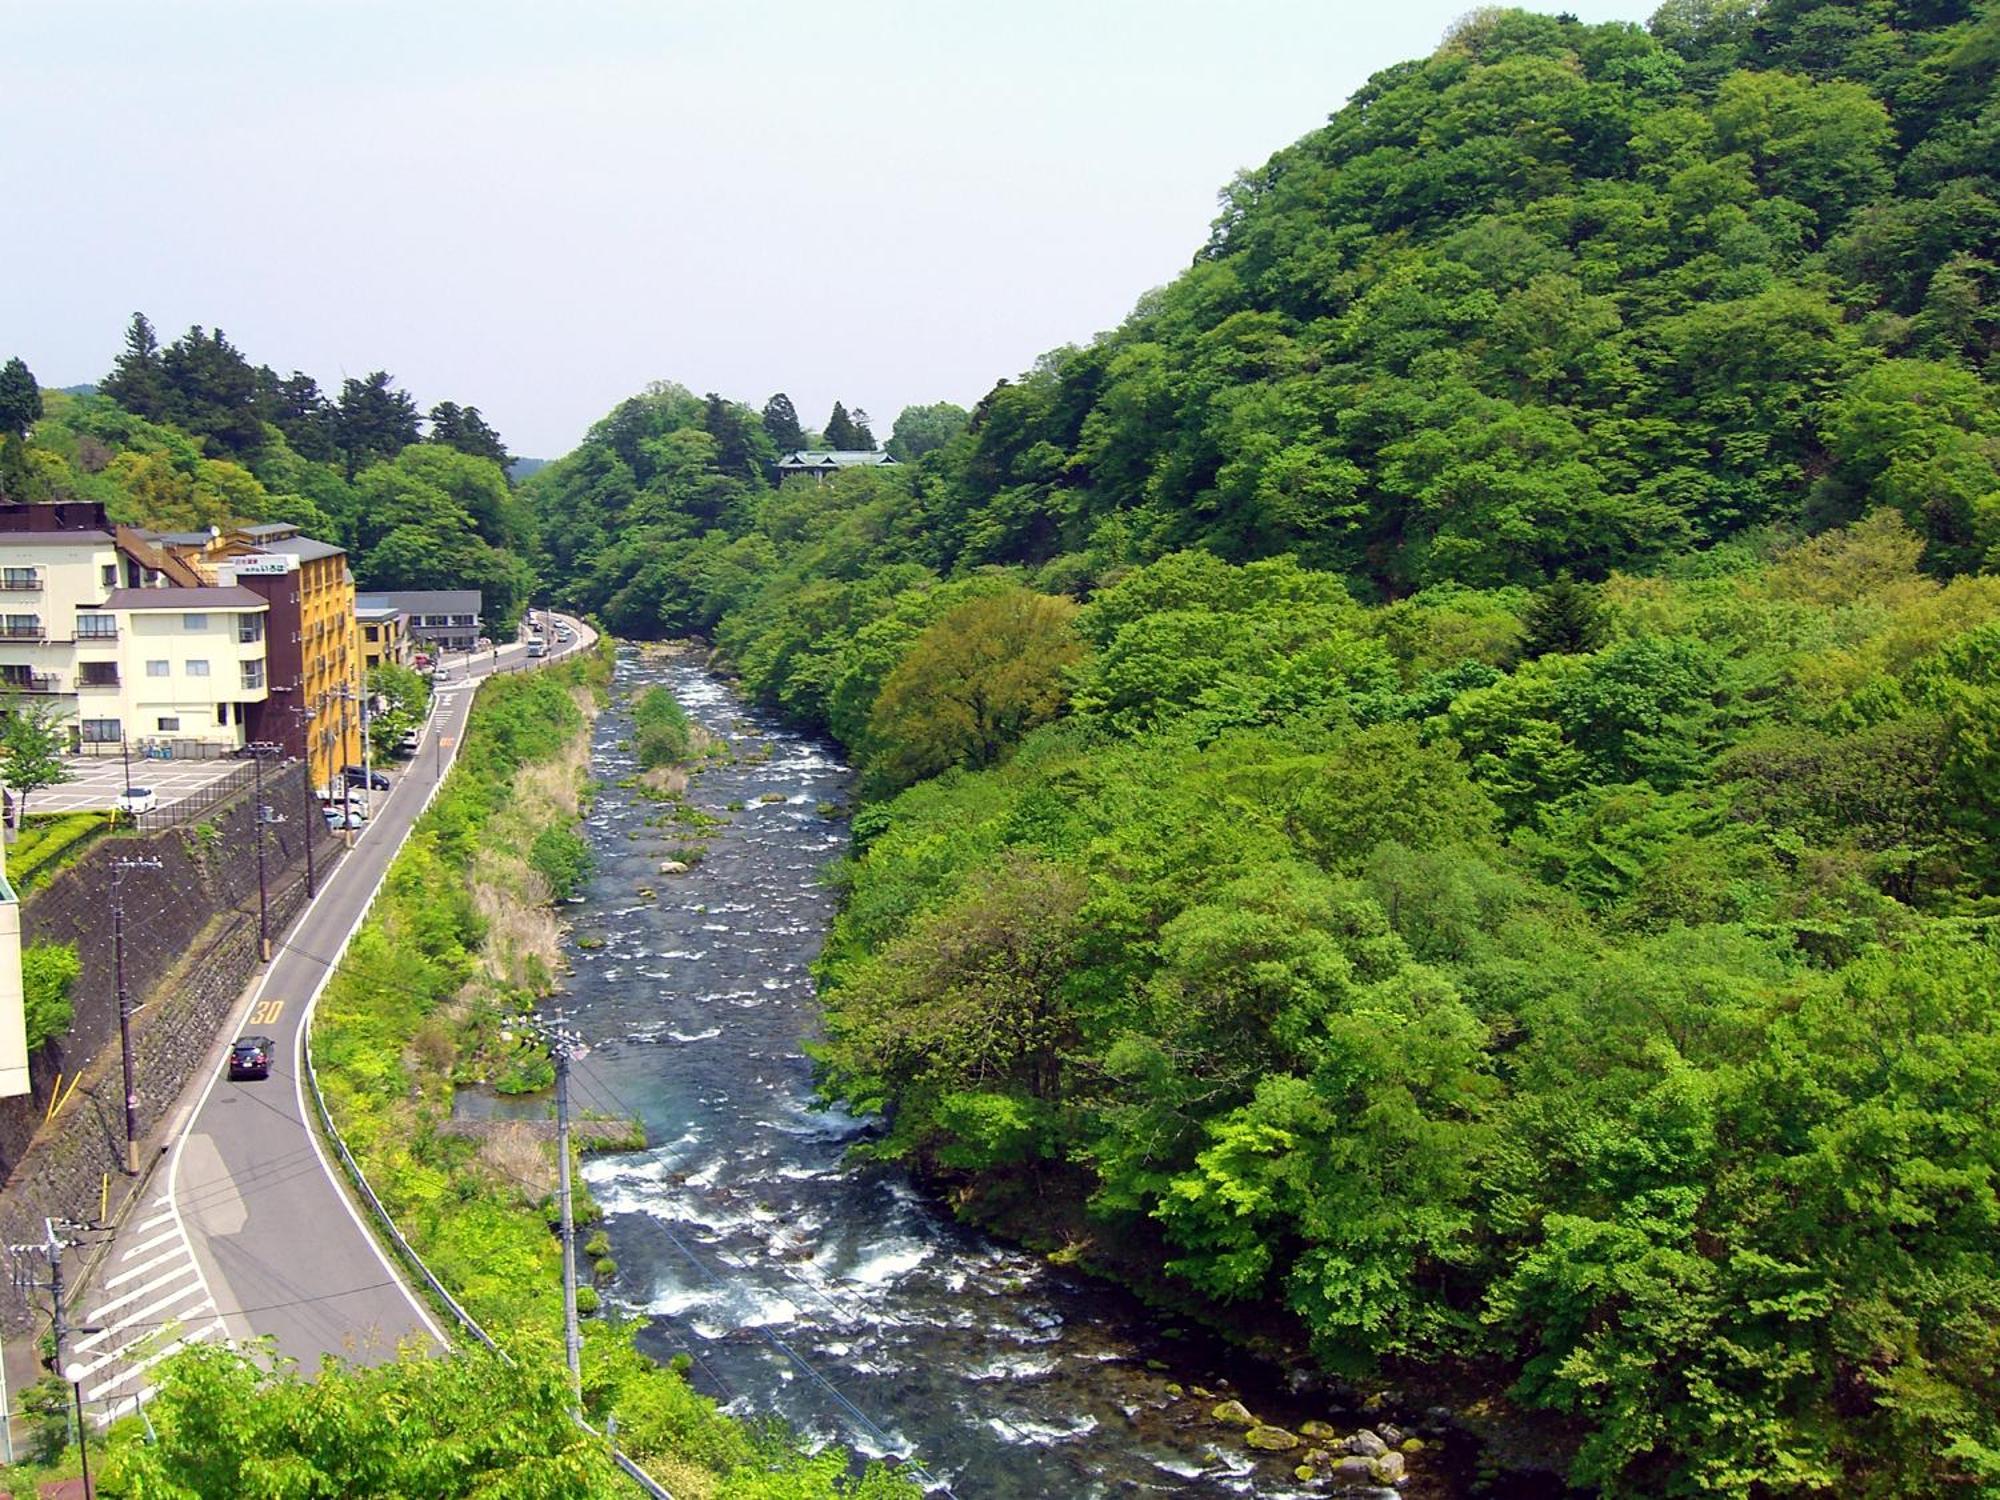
x: 1438, y: 784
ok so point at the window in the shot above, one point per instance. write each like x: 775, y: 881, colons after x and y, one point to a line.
x: 102, y: 731
x: 108, y: 575
x: 95, y: 627
x: 374, y: 633
x: 21, y: 627
x: 194, y: 622
x: 253, y: 673
x: 249, y: 629
x: 197, y: 668
x: 465, y: 622
x: 20, y: 578
x: 157, y: 668
x: 169, y: 725
x: 97, y: 674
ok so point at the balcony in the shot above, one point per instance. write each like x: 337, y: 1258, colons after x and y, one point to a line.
x: 90, y: 632
x: 23, y: 633
x: 96, y: 674
x: 20, y: 581
x: 22, y: 680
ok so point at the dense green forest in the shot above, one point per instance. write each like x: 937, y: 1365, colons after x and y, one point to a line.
x: 1436, y: 788
x: 191, y: 434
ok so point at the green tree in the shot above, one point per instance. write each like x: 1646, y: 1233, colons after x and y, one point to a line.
x: 373, y: 421
x: 137, y: 380
x: 20, y: 399
x: 924, y: 429
x: 463, y: 428
x: 841, y: 434
x: 781, y: 424
x: 1562, y: 618
x: 48, y: 972
x: 33, y: 738
x: 973, y: 684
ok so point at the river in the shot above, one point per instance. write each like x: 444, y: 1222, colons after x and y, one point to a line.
x: 837, y: 1296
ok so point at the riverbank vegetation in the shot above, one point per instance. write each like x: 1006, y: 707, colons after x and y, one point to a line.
x: 1433, y: 793
x: 460, y: 943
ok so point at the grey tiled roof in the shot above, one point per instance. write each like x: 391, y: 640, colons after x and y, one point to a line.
x: 226, y: 597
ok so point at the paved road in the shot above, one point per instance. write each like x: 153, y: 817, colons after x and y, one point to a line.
x: 250, y: 1231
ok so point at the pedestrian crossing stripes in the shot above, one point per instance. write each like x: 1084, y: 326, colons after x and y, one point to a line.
x: 152, y: 1301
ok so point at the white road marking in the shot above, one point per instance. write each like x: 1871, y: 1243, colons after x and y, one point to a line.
x: 144, y: 1245
x: 209, y: 1330
x: 141, y: 1269
x: 133, y: 1296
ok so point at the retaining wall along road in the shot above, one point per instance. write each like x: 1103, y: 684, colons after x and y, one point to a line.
x: 190, y: 948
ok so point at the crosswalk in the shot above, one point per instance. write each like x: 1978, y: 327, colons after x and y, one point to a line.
x: 155, y: 1302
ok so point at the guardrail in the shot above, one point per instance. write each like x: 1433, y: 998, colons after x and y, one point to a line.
x: 403, y: 1248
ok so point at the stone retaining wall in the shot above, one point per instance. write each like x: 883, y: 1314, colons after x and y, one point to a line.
x: 190, y: 948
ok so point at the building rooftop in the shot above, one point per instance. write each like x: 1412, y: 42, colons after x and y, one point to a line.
x: 55, y: 539
x: 425, y: 601
x: 229, y: 597
x: 363, y: 610
x: 833, y: 458
x: 304, y: 548
x: 271, y: 530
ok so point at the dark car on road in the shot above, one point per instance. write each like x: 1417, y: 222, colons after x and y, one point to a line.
x: 375, y: 781
x: 250, y: 1057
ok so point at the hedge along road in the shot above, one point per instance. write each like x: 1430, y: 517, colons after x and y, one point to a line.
x: 255, y: 1233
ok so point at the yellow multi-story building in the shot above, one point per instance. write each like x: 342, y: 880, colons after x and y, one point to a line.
x: 315, y: 661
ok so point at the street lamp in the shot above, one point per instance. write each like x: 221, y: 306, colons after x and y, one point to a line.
x: 74, y: 1373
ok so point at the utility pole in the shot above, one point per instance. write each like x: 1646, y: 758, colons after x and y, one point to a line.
x: 56, y: 1239
x: 564, y: 1046
x: 258, y: 750
x: 304, y: 715
x: 125, y: 1003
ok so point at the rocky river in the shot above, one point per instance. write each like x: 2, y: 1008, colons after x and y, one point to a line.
x: 838, y: 1296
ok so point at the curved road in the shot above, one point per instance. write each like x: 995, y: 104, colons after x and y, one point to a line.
x: 250, y: 1230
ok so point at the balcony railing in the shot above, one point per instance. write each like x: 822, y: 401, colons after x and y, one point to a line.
x: 22, y: 632
x: 30, y: 682
x: 19, y: 585
x: 83, y: 682
x: 85, y: 637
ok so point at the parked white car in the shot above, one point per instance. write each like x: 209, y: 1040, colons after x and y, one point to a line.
x: 138, y: 799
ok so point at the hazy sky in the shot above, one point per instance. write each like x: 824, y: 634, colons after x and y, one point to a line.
x: 536, y: 208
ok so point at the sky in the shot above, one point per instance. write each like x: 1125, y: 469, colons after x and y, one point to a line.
x: 537, y: 208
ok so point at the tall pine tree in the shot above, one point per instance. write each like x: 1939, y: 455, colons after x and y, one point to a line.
x: 781, y: 424
x: 137, y: 381
x: 20, y: 399
x: 841, y: 433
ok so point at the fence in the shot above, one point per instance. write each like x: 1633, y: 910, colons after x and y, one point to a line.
x: 223, y: 789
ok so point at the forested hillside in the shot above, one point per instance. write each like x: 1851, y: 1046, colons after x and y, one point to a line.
x: 191, y: 434
x: 1438, y: 785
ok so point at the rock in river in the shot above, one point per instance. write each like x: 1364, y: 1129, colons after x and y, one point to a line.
x: 1271, y: 1439
x: 1366, y: 1444
x: 1236, y: 1414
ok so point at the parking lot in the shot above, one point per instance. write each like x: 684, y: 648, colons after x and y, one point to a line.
x: 96, y: 781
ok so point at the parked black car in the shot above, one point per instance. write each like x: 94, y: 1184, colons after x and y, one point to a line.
x: 375, y: 781
x: 250, y: 1057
